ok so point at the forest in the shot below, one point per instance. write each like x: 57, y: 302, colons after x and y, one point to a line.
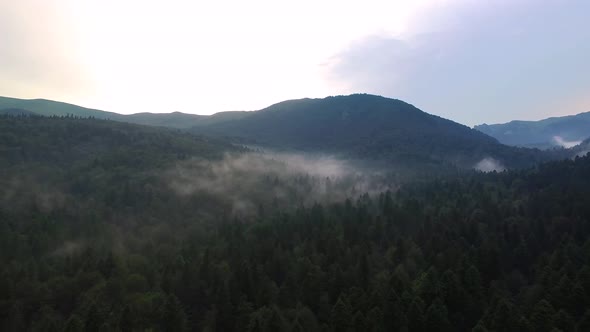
x: 107, y: 226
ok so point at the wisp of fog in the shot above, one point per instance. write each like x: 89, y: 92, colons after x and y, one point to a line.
x: 252, y: 181
x: 489, y: 165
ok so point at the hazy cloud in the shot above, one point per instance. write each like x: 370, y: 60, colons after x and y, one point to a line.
x: 244, y: 182
x: 563, y: 143
x: 489, y: 165
x: 479, y: 62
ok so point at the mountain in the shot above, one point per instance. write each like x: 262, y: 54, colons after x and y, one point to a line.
x: 358, y: 126
x: 368, y: 127
x: 182, y: 120
x: 49, y: 108
x: 565, y: 131
x: 173, y: 120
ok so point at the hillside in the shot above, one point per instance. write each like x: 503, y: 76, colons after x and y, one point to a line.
x: 182, y: 120
x: 565, y: 131
x: 67, y: 142
x: 48, y: 108
x: 110, y: 226
x: 172, y: 120
x: 368, y: 127
x: 582, y: 149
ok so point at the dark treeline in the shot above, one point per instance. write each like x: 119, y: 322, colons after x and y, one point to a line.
x: 92, y: 238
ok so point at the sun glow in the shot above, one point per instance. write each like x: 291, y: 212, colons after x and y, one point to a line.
x: 204, y: 57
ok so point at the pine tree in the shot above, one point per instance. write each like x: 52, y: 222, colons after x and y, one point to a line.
x: 375, y: 320
x: 174, y: 316
x: 416, y: 315
x: 94, y: 319
x: 480, y: 327
x: 542, y: 316
x: 340, y: 318
x: 126, y: 320
x: 437, y: 317
x: 584, y: 323
x: 564, y: 321
x: 394, y: 315
x: 74, y: 324
x: 358, y: 322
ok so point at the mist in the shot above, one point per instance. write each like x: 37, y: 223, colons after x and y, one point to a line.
x: 29, y: 191
x: 583, y: 149
x: 564, y: 143
x: 489, y: 164
x: 250, y: 183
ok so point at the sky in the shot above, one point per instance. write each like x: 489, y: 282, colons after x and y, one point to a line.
x: 474, y: 62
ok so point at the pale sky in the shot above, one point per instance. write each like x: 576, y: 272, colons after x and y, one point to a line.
x: 470, y: 61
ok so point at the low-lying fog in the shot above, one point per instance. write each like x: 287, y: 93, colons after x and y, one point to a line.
x: 489, y: 165
x: 252, y: 181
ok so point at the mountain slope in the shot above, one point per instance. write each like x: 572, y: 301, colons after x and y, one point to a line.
x: 357, y: 126
x: 581, y: 149
x: 563, y: 131
x: 173, y: 120
x: 49, y: 108
x: 67, y: 142
x: 367, y: 126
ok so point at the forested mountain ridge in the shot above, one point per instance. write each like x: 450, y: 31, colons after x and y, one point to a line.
x: 46, y: 107
x: 66, y: 140
x: 43, y: 107
x: 370, y: 127
x: 96, y: 234
x: 547, y: 133
x: 358, y: 126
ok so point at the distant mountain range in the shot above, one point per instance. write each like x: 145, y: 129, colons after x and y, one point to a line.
x: 566, y: 131
x: 358, y: 126
x: 48, y: 108
x: 45, y: 107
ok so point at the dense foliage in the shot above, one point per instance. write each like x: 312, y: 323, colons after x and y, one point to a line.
x: 93, y: 237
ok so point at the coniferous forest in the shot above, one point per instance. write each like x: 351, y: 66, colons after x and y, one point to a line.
x: 106, y: 226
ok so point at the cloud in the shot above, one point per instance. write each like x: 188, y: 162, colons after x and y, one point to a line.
x: 565, y: 144
x: 478, y: 62
x: 489, y: 165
